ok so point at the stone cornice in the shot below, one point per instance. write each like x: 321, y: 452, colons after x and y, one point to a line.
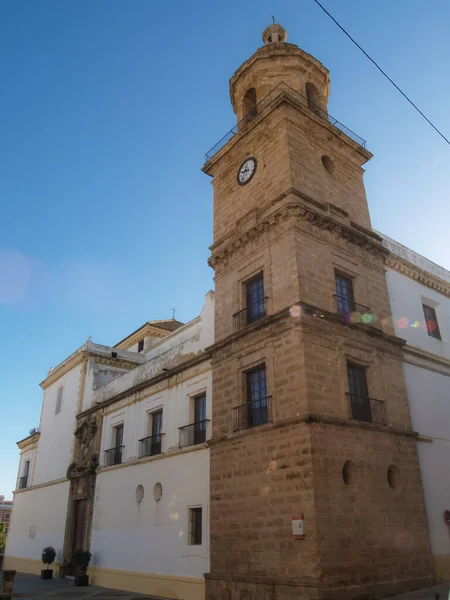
x: 142, y: 385
x: 426, y: 360
x: 319, y: 419
x: 78, y: 357
x: 116, y: 362
x: 414, y: 272
x: 31, y: 440
x: 63, y: 369
x: 40, y: 485
x: 354, y: 234
x: 139, y: 335
x: 308, y: 310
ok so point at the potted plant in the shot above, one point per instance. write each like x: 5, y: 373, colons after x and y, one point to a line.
x: 81, y: 560
x: 48, y: 557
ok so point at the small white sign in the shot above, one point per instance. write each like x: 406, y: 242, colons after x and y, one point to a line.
x: 297, y: 527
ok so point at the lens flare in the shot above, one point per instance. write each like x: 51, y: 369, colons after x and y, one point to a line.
x: 295, y: 311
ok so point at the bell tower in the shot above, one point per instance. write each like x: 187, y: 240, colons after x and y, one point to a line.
x: 310, y: 412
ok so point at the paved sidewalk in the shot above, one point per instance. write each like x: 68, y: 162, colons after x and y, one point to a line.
x: 32, y: 587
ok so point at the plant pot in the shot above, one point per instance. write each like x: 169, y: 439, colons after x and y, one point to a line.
x: 81, y: 580
x: 47, y: 574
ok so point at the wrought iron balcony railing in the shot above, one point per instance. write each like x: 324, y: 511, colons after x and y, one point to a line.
x: 363, y: 408
x: 151, y: 445
x: 250, y: 314
x: 193, y: 434
x: 23, y: 482
x: 280, y: 89
x: 345, y: 306
x: 253, y: 413
x: 113, y: 456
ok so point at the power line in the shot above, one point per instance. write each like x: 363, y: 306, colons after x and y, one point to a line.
x: 381, y: 71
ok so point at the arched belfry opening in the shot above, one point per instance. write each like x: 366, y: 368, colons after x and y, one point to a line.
x: 249, y: 109
x: 313, y: 98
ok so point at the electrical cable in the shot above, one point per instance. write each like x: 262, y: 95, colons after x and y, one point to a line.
x: 383, y: 73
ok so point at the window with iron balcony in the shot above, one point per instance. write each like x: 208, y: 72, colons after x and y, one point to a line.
x: 113, y: 456
x: 257, y: 409
x: 195, y: 432
x: 255, y: 303
x: 152, y: 444
x: 361, y: 406
x: 345, y: 299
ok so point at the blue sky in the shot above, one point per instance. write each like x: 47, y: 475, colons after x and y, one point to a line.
x: 106, y: 110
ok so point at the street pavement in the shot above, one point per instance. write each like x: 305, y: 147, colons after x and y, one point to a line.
x: 32, y: 587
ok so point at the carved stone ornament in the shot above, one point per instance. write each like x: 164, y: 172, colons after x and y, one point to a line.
x: 86, y: 459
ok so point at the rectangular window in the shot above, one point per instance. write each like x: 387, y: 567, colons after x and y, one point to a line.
x: 344, y: 295
x: 257, y: 412
x: 358, y: 392
x: 6, y: 517
x: 23, y: 481
x: 155, y: 446
x: 59, y: 398
x: 114, y: 454
x: 256, y: 306
x: 195, y: 526
x: 118, y: 435
x: 200, y: 419
x: 140, y: 345
x: 431, y: 322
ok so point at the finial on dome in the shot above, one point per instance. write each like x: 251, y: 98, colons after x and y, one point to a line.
x: 275, y: 33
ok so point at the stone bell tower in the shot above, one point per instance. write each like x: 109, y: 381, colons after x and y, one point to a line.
x: 310, y: 412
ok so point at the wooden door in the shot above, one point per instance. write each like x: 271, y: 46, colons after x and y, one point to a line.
x: 79, y: 524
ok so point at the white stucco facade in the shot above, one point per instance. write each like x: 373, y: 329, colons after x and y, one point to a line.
x: 150, y: 538
x: 56, y: 439
x: 38, y: 520
x: 427, y: 376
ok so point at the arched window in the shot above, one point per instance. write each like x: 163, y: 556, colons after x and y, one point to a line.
x: 249, y: 109
x: 313, y: 98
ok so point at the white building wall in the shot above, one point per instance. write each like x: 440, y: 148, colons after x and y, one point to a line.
x: 187, y: 342
x: 44, y: 511
x: 56, y: 439
x: 151, y: 536
x: 429, y: 400
x: 176, y: 402
x: 427, y: 378
x: 406, y: 297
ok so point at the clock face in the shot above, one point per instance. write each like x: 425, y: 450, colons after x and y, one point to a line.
x: 246, y: 171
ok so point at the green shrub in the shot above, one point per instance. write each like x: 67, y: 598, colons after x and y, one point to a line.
x: 48, y: 555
